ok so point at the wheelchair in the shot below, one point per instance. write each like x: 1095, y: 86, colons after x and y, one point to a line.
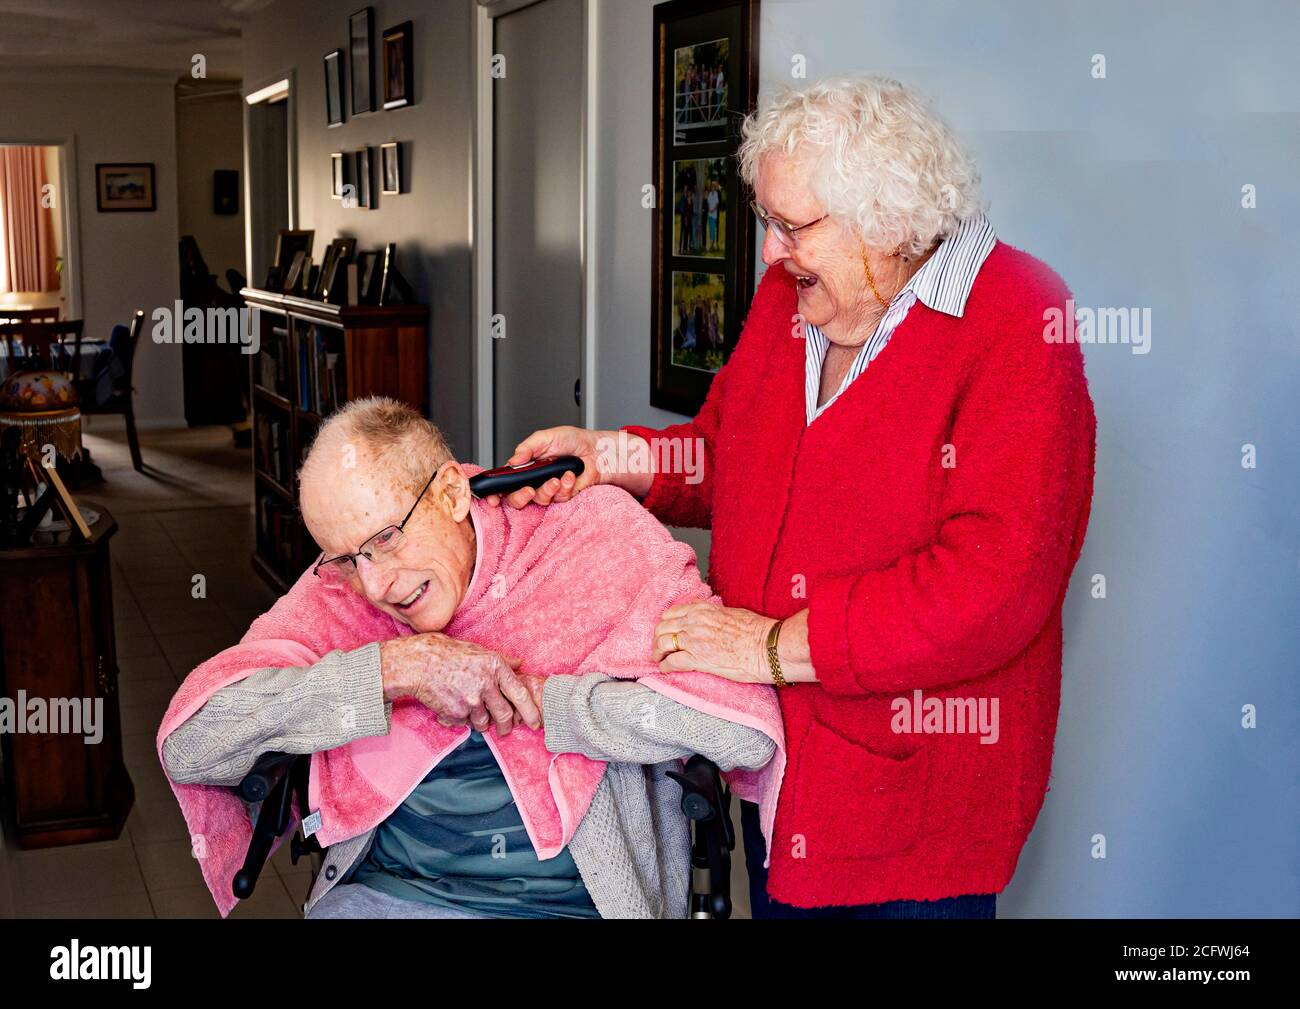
x: 706, y: 800
x: 277, y: 779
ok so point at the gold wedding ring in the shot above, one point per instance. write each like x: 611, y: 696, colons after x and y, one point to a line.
x: 676, y: 645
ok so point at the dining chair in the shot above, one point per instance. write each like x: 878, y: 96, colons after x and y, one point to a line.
x: 120, y: 400
x: 30, y: 345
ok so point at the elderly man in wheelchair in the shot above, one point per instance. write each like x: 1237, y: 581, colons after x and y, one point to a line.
x: 488, y: 733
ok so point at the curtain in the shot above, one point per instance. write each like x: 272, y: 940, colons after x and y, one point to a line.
x: 26, y: 228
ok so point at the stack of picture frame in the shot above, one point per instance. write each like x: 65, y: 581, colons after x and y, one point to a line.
x: 344, y: 277
x: 351, y: 73
x: 352, y: 175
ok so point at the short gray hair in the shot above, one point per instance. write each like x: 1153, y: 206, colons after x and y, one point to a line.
x: 880, y: 160
x: 397, y: 437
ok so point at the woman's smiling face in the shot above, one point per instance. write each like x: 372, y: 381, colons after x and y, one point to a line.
x: 826, y: 260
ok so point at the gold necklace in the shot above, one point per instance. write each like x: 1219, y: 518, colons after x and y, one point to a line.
x: 872, y: 280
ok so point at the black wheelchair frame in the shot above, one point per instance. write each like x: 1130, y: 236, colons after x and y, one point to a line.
x: 277, y: 779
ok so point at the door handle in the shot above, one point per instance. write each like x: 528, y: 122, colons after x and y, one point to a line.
x: 577, y: 391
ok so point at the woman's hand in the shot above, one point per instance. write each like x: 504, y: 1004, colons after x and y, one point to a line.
x: 723, y: 640
x: 588, y: 446
x: 547, y: 444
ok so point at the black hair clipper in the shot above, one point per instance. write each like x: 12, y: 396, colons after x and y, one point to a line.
x: 506, y: 479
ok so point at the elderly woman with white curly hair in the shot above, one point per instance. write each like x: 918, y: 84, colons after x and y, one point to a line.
x: 898, y: 476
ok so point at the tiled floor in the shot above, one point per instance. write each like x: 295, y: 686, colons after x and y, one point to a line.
x: 187, y: 516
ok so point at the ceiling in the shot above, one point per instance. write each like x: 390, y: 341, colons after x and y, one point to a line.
x: 137, y: 34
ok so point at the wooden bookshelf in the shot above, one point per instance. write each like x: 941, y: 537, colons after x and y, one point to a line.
x: 312, y: 358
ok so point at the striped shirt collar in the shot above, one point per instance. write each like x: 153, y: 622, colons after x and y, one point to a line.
x: 945, y: 281
x: 943, y: 284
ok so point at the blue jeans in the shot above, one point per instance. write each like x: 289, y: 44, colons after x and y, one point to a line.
x: 976, y: 905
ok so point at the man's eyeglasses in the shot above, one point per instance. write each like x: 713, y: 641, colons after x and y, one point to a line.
x: 339, y: 570
x: 786, y: 234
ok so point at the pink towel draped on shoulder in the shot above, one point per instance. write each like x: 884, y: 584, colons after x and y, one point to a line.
x: 569, y: 589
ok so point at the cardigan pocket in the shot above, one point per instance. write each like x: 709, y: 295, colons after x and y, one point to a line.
x: 853, y: 803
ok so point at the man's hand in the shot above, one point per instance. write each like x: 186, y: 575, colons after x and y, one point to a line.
x: 458, y: 681
x: 534, y: 685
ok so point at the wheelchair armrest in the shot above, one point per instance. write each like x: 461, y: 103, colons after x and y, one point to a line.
x: 276, y: 813
x: 258, y: 782
x: 706, y: 801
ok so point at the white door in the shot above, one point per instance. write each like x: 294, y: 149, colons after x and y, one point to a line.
x: 537, y: 220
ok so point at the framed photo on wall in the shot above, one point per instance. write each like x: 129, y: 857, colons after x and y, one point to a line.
x: 361, y: 50
x: 341, y: 174
x: 334, y: 88
x: 705, y: 82
x: 225, y: 191
x: 365, y: 179
x: 399, y: 73
x: 390, y: 168
x: 124, y: 187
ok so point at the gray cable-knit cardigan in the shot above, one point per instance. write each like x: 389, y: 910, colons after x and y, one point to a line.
x: 632, y: 847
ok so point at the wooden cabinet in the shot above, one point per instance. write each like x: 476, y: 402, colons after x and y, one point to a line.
x: 312, y: 358
x: 57, y: 647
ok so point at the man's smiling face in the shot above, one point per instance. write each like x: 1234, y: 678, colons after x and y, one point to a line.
x: 423, y: 581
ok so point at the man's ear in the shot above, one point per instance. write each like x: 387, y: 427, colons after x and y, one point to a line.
x: 452, y: 483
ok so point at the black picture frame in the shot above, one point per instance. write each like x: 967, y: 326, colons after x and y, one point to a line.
x: 705, y: 80
x: 367, y: 276
x: 333, y: 287
x: 335, y: 112
x: 321, y: 280
x: 365, y: 176
x: 293, y: 279
x: 343, y: 175
x: 333, y: 280
x: 361, y: 56
x: 390, y: 168
x: 398, y: 68
x: 125, y: 187
x: 225, y: 191
x: 287, y: 243
x: 387, y: 268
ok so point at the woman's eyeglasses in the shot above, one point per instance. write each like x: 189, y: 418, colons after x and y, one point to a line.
x: 786, y: 234
x: 340, y: 570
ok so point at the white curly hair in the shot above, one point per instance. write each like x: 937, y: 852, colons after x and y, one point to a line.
x: 879, y: 159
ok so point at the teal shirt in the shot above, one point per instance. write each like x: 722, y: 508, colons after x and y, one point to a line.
x: 458, y: 841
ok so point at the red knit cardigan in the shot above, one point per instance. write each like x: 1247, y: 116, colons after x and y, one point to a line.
x: 929, y: 520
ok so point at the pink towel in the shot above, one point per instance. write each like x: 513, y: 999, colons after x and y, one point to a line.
x: 569, y: 589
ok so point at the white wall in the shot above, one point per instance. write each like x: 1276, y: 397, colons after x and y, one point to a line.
x: 127, y: 260
x: 210, y: 136
x: 622, y: 138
